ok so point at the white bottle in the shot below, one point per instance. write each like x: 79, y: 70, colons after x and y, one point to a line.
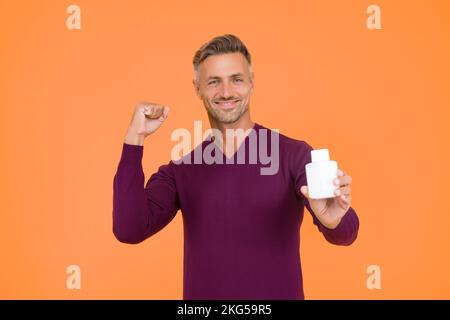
x: 320, y: 174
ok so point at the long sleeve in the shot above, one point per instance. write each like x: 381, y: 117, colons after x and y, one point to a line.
x: 140, y: 212
x: 347, y: 230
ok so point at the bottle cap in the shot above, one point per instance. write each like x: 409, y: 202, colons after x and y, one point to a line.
x: 320, y: 155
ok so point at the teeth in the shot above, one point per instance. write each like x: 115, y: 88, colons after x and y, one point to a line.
x: 226, y: 103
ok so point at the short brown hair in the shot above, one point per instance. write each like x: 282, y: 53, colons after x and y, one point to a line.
x: 227, y: 43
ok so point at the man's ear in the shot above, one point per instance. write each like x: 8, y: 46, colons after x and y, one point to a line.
x: 196, y: 88
x: 252, y: 77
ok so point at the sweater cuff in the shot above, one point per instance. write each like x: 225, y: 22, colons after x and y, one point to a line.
x: 342, y: 227
x: 132, y: 153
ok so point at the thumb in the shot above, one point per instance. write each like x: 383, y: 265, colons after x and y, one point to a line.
x: 304, y: 191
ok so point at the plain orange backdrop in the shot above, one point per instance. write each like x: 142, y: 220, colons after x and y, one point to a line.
x: 378, y: 99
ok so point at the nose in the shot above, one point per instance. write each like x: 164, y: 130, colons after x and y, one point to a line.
x: 225, y: 90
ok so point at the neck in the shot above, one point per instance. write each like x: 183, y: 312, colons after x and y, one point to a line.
x: 245, y: 123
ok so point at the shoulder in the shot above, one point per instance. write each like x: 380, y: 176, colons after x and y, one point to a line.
x: 289, y: 144
x: 295, y: 145
x: 297, y: 152
x: 294, y: 153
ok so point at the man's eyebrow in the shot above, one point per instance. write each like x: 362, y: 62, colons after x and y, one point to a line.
x: 234, y: 75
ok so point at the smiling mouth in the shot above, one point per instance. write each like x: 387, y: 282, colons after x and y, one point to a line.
x: 226, y: 104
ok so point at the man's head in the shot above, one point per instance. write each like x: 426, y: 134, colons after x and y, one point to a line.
x: 224, y: 78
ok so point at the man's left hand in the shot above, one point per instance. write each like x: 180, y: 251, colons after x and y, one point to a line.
x: 330, y: 211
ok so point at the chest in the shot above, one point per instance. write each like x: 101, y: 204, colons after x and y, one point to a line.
x: 234, y: 192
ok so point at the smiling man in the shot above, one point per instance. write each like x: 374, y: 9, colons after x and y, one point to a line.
x: 241, y: 228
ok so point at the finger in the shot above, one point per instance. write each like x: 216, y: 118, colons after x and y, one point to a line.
x: 157, y: 112
x: 141, y: 105
x: 346, y: 199
x: 148, y: 110
x: 163, y: 115
x: 166, y: 111
x: 147, y: 106
x: 343, y: 181
x: 343, y: 191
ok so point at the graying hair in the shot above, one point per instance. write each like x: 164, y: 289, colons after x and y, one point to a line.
x: 227, y: 43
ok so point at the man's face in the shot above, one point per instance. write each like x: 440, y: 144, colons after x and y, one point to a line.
x: 225, y: 85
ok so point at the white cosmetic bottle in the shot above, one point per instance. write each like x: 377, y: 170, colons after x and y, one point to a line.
x: 320, y: 173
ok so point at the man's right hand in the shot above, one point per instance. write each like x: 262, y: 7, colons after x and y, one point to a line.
x: 146, y: 119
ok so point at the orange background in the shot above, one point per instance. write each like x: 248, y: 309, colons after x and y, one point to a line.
x: 378, y: 99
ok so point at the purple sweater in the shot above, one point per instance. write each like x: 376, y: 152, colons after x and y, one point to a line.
x: 241, y: 228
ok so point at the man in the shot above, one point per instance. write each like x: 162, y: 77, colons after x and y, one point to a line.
x: 241, y: 228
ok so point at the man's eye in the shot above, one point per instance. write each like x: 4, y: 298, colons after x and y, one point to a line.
x: 237, y: 80
x: 212, y: 82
